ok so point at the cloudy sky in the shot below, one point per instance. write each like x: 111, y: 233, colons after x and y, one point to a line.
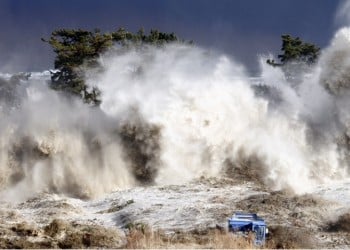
x: 242, y: 29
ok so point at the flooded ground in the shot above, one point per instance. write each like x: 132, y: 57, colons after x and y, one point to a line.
x: 317, y: 220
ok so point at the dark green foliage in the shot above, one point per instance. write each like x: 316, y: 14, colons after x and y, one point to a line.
x: 77, y: 48
x: 123, y: 37
x: 294, y: 49
x: 74, y: 48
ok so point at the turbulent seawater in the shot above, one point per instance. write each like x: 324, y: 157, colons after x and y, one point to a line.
x: 183, y: 137
x: 173, y: 114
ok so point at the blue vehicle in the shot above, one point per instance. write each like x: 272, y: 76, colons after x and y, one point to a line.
x: 247, y: 222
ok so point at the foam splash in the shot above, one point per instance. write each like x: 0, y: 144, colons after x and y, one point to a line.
x: 209, y: 114
x: 172, y: 114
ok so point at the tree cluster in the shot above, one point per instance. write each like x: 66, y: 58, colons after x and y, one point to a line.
x: 295, y: 50
x: 295, y: 60
x: 77, y: 48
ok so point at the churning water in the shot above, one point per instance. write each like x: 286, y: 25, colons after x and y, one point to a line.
x: 172, y: 114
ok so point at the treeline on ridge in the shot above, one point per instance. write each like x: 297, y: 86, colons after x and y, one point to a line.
x: 77, y: 50
x: 76, y: 47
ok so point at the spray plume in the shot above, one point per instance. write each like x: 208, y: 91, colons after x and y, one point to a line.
x: 176, y: 113
x: 342, y: 16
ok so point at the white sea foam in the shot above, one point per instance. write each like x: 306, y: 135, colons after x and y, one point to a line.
x: 206, y: 111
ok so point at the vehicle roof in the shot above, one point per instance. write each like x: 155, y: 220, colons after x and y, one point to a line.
x: 239, y: 217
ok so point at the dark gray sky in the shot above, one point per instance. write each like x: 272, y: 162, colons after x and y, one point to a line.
x: 241, y: 28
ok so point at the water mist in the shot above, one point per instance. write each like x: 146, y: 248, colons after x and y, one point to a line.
x: 173, y: 114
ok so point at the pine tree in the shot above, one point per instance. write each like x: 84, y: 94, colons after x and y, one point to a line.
x: 78, y: 49
x: 295, y: 50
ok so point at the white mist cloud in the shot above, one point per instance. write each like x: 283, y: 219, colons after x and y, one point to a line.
x: 342, y: 16
x: 207, y: 114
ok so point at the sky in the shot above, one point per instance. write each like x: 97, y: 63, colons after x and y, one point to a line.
x: 242, y: 29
